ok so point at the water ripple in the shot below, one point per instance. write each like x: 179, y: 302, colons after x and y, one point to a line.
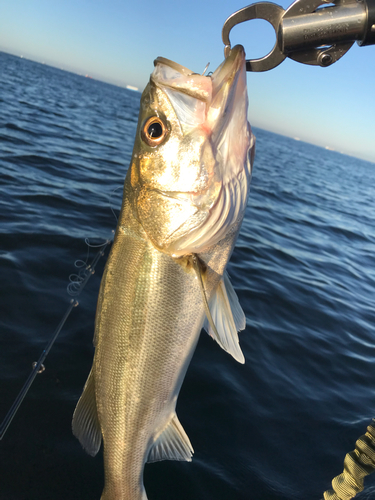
x: 276, y: 428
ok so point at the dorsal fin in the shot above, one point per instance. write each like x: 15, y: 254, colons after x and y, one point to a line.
x: 172, y: 444
x: 85, y: 424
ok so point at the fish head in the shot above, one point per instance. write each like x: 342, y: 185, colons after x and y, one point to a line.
x: 192, y: 157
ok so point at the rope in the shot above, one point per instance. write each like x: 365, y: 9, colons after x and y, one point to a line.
x: 358, y: 464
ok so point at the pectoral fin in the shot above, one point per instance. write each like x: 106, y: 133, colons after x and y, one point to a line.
x: 224, y: 315
x: 85, y: 424
x: 235, y: 306
x: 172, y: 444
x: 228, y: 318
x: 198, y: 270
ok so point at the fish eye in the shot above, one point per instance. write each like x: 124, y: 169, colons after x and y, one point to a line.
x: 154, y: 131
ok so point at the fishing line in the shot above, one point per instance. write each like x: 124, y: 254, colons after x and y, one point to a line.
x: 76, y: 280
x: 110, y: 201
x: 75, y: 288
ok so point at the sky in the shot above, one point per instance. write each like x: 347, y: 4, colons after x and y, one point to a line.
x: 117, y: 40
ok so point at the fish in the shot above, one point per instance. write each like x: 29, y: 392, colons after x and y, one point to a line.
x: 184, y: 199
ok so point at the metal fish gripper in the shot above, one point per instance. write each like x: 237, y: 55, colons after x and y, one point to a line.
x: 307, y: 32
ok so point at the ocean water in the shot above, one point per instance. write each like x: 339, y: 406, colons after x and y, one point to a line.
x: 276, y: 428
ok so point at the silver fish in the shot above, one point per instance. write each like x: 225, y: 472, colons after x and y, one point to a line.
x: 185, y: 195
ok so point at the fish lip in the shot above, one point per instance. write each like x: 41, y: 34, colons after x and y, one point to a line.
x: 228, y: 69
x: 178, y: 67
x: 182, y: 196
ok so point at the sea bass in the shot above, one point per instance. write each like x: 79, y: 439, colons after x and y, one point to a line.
x: 184, y: 199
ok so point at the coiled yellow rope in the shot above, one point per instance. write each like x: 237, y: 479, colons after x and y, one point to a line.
x: 358, y: 464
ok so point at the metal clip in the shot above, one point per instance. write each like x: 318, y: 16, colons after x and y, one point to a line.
x: 307, y: 34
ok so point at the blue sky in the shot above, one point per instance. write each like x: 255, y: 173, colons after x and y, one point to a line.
x: 117, y: 41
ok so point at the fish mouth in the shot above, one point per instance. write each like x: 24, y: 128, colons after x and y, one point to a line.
x: 197, y: 85
x: 231, y: 63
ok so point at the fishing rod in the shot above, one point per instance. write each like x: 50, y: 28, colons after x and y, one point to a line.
x: 307, y: 33
x: 77, y: 284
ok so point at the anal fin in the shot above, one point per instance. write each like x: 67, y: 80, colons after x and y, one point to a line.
x: 85, y: 424
x: 172, y: 444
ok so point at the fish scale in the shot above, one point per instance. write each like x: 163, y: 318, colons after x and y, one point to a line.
x: 163, y: 357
